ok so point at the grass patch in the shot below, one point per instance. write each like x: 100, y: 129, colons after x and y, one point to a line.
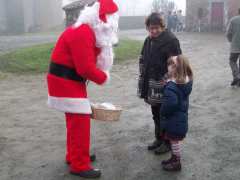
x: 127, y: 50
x: 3, y: 76
x: 35, y: 59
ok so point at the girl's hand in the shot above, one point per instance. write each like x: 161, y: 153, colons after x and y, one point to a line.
x: 163, y: 82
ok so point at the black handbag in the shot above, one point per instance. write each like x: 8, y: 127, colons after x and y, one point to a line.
x: 155, y: 92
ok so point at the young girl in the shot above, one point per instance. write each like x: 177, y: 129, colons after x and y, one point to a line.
x: 174, y: 108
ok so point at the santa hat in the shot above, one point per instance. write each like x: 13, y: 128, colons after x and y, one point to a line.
x: 107, y: 7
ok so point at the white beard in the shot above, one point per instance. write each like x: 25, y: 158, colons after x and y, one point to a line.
x: 105, y: 33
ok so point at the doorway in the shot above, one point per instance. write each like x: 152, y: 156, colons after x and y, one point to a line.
x: 217, y: 16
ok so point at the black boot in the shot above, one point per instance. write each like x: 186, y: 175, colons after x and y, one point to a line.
x: 155, y: 145
x: 238, y: 84
x: 164, y: 148
x: 165, y: 162
x: 172, y: 164
x: 235, y: 82
x: 93, y: 173
x: 93, y: 157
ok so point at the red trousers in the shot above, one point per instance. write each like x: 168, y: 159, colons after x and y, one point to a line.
x: 78, y: 142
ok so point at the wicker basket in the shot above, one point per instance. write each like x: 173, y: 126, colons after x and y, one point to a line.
x: 102, y: 114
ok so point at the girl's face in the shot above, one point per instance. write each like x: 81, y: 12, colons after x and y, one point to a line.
x: 155, y: 30
x: 172, y: 64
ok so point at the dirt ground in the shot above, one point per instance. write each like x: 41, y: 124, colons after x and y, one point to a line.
x: 32, y: 137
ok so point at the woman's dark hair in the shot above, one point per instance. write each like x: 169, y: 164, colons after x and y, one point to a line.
x: 239, y: 11
x: 155, y: 19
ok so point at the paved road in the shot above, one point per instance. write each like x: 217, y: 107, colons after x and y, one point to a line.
x: 8, y: 43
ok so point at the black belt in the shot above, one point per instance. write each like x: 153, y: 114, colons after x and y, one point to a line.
x: 65, y: 72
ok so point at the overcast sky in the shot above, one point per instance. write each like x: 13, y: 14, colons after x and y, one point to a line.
x: 142, y: 7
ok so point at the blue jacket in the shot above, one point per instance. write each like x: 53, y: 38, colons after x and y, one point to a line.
x: 174, y: 109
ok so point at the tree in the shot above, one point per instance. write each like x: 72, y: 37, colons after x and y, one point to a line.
x: 171, y: 5
x: 156, y: 5
x: 163, y: 6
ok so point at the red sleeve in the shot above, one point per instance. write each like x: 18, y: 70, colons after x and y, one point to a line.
x: 83, y: 54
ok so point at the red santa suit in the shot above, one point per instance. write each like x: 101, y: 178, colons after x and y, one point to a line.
x: 74, y: 60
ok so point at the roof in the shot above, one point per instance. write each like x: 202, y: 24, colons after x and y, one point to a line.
x: 77, y: 4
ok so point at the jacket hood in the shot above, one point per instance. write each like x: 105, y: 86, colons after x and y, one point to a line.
x: 186, y: 89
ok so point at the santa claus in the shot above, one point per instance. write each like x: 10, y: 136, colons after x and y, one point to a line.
x: 83, y: 53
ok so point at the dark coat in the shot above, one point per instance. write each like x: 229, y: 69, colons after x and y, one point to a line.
x: 174, y: 109
x: 153, y: 63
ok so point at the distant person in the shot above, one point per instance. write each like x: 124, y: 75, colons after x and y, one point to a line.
x: 158, y: 47
x: 174, y: 108
x: 169, y: 21
x: 180, y: 24
x: 174, y: 22
x: 162, y: 15
x: 233, y: 35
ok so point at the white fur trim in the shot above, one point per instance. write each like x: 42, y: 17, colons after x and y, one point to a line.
x: 70, y: 105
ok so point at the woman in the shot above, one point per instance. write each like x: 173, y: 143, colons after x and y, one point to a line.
x: 158, y: 47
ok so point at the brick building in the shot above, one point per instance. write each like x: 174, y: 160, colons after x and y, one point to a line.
x: 19, y: 16
x: 210, y: 15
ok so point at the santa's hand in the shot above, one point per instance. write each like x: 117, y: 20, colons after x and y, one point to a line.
x: 108, y: 77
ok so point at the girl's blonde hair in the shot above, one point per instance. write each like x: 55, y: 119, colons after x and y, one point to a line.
x: 183, y: 69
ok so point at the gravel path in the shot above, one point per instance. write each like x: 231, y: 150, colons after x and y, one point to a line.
x: 32, y: 137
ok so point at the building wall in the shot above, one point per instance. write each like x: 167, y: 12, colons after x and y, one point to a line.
x: 3, y: 18
x: 192, y: 7
x: 131, y: 22
x: 29, y: 15
x: 234, y: 5
x: 15, y: 16
x: 48, y: 13
x: 19, y: 16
